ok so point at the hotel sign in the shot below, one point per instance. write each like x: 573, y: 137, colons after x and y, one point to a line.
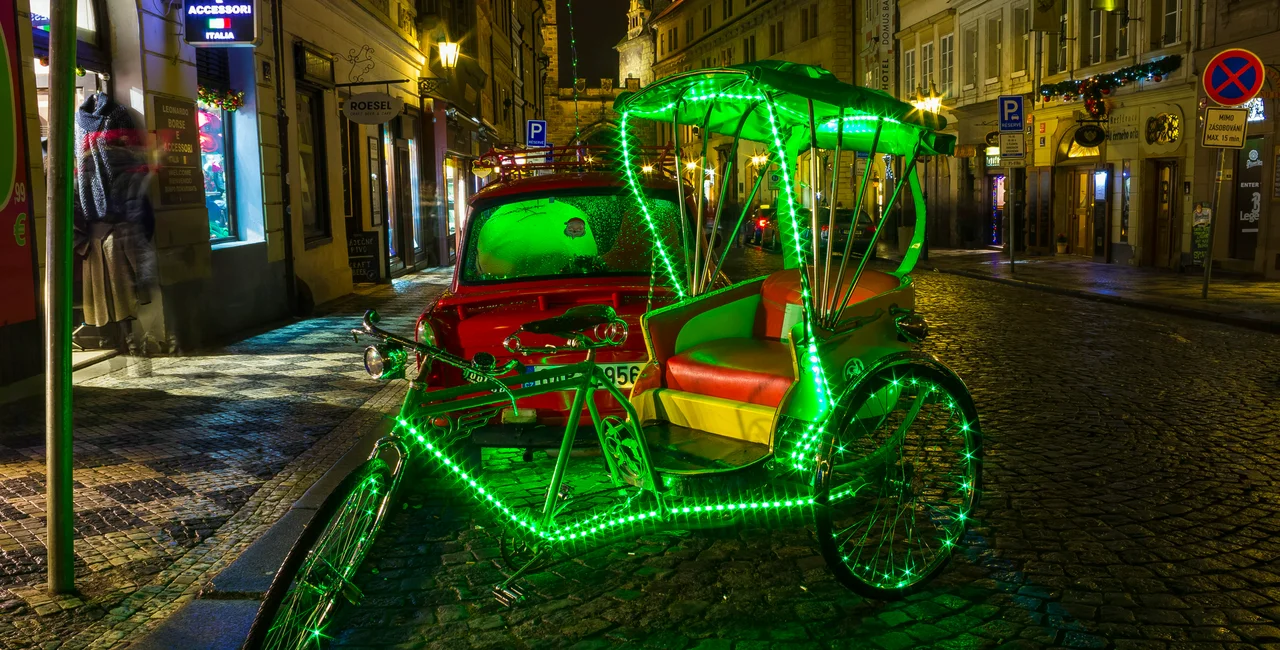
x: 221, y: 23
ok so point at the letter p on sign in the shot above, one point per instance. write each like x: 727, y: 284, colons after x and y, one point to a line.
x: 535, y: 133
x: 1010, y: 112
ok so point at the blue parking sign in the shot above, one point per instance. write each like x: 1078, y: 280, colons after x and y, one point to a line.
x: 1009, y: 108
x: 535, y: 133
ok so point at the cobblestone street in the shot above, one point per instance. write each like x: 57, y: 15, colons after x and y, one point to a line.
x: 181, y: 462
x: 1132, y: 501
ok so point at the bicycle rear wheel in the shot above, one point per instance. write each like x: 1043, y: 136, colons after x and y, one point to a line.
x: 317, y: 574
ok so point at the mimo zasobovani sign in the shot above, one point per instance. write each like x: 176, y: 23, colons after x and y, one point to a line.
x: 221, y: 23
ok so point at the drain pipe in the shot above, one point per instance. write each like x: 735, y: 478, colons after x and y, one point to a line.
x: 282, y: 121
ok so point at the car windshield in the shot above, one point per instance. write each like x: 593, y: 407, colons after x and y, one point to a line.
x: 579, y: 233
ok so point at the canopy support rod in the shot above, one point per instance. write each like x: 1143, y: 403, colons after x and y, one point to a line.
x: 684, y: 211
x: 862, y: 263
x: 824, y: 308
x: 708, y: 279
x: 699, y: 186
x: 746, y: 207
x: 815, y: 284
x: 857, y: 210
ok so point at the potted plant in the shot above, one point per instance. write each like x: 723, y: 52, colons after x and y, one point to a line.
x: 1062, y: 243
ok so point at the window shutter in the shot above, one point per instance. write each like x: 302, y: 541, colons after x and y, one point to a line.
x: 213, y: 69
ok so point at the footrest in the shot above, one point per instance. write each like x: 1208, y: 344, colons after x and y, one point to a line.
x: 508, y: 595
x: 675, y: 449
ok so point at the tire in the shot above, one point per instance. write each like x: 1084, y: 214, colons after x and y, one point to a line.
x: 339, y: 534
x: 894, y: 501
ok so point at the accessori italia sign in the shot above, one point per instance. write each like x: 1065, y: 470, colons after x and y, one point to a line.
x: 221, y: 23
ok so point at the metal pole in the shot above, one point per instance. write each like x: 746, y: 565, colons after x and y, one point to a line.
x: 57, y: 297
x: 1213, y: 222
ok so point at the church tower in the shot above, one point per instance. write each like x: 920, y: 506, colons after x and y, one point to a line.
x: 636, y: 51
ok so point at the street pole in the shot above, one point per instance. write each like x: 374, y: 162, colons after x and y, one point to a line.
x: 1213, y: 222
x: 57, y: 297
x: 1011, y: 206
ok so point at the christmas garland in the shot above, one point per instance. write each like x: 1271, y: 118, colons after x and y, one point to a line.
x: 228, y: 100
x: 1092, y: 89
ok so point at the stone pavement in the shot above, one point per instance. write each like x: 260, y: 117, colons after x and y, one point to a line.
x: 1232, y: 298
x: 181, y: 462
x: 1131, y: 501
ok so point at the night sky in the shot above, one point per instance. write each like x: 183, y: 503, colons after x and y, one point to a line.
x: 598, y: 26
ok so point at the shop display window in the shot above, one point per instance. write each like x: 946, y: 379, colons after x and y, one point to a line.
x: 216, y: 161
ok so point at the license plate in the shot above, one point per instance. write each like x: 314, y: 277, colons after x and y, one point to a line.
x: 624, y: 375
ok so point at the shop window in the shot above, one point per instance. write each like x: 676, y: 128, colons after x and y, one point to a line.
x: 214, y: 120
x: 312, y: 180
x: 415, y: 184
x: 1124, y: 204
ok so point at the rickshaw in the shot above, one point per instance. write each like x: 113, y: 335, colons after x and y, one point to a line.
x: 789, y: 400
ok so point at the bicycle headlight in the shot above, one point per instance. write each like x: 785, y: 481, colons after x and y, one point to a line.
x: 384, y: 361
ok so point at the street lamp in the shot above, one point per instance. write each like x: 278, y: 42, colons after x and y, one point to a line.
x: 448, y: 55
x: 930, y: 104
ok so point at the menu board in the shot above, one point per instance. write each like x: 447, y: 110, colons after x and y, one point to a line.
x: 180, y: 180
x: 17, y: 235
x: 362, y: 255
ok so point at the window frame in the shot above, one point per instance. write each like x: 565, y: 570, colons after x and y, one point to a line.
x: 320, y: 179
x: 908, y: 73
x: 946, y: 63
x: 1165, y: 14
x: 926, y: 65
x: 995, y: 47
x: 970, y: 43
x: 1022, y: 62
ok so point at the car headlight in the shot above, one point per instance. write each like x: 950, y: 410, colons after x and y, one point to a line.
x: 384, y: 361
x: 426, y: 334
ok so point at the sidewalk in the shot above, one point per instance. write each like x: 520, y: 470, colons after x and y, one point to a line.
x: 1235, y: 300
x: 181, y: 463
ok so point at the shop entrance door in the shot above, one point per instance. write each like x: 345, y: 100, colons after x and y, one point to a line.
x: 1080, y: 225
x: 994, y: 234
x: 1159, y: 226
x: 404, y: 204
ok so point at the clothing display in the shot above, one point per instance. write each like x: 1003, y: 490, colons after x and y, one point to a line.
x: 115, y: 219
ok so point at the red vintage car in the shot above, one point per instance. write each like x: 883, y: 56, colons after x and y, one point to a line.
x: 539, y: 240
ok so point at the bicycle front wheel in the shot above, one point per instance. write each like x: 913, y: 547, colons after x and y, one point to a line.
x: 899, y: 477
x: 317, y: 575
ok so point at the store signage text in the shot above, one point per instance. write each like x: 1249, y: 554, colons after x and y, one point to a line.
x: 885, y: 37
x: 221, y: 23
x: 372, y: 108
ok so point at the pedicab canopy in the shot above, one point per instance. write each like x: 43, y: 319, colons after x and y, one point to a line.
x: 724, y: 98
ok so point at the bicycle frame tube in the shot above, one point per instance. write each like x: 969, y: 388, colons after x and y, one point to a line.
x: 566, y: 444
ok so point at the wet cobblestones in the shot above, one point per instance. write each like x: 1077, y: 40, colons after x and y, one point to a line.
x: 180, y: 462
x: 1132, y: 501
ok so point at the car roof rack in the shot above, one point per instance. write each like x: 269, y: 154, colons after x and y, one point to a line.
x: 514, y: 163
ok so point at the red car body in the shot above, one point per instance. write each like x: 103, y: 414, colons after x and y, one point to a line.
x: 476, y: 317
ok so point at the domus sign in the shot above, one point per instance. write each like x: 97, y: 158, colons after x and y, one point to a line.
x: 372, y: 108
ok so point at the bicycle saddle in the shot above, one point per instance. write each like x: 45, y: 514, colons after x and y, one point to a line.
x: 575, y: 320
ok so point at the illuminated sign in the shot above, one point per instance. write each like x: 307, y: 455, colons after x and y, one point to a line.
x: 221, y: 23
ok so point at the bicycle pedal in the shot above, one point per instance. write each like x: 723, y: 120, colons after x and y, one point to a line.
x: 508, y: 595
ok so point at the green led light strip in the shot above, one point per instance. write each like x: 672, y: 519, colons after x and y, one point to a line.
x: 822, y: 389
x: 579, y: 530
x: 636, y: 191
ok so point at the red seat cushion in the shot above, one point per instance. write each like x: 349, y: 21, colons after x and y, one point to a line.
x: 746, y: 370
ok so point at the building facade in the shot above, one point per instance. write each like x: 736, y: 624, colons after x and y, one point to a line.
x: 1247, y: 237
x: 262, y: 199
x: 691, y: 34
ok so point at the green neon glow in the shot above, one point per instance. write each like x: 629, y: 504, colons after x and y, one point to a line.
x: 637, y: 192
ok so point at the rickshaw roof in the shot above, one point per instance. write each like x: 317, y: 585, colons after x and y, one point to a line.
x: 732, y: 92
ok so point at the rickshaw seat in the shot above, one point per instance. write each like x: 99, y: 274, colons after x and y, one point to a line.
x: 756, y: 371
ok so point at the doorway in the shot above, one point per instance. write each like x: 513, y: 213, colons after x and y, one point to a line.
x: 994, y: 234
x: 1080, y: 224
x: 1160, y: 239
